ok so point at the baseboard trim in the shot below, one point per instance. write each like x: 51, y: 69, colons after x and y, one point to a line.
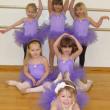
x: 10, y: 68
x: 17, y: 68
x: 97, y: 69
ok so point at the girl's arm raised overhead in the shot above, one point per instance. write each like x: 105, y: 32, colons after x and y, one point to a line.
x: 56, y: 44
x: 19, y: 22
x: 50, y: 6
x: 66, y: 5
x: 40, y: 8
x: 99, y: 22
x: 71, y: 8
x: 44, y: 76
x: 79, y: 50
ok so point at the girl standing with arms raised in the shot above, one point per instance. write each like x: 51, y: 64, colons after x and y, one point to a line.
x: 57, y: 13
x: 30, y: 26
x: 80, y: 28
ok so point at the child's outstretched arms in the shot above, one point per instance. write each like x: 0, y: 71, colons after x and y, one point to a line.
x: 99, y: 22
x: 50, y: 6
x: 79, y: 50
x: 40, y: 8
x: 65, y: 7
x: 71, y: 8
x: 19, y: 22
x: 56, y: 44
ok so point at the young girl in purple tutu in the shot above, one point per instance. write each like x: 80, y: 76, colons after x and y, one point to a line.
x: 57, y: 13
x: 30, y: 26
x: 63, y: 96
x: 35, y: 69
x: 67, y: 48
x: 80, y: 28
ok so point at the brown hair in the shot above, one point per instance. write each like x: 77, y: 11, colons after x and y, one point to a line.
x: 57, y: 2
x: 66, y: 41
x: 32, y: 5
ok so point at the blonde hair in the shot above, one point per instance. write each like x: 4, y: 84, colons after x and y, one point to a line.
x: 28, y: 56
x: 32, y: 5
x: 78, y: 5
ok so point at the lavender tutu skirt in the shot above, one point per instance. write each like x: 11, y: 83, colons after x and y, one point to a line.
x: 22, y: 39
x: 77, y: 73
x: 23, y: 78
x: 86, y: 40
x: 53, y: 35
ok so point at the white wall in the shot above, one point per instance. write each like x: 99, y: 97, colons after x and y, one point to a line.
x: 98, y: 54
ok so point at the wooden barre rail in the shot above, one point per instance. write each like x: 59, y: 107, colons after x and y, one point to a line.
x: 96, y: 29
x: 19, y: 7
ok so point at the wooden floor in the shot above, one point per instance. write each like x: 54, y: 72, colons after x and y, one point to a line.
x: 12, y: 99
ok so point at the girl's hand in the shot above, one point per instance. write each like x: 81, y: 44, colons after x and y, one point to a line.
x: 38, y: 83
x: 65, y: 34
x: 105, y: 17
x: 2, y: 31
x: 6, y: 30
x: 69, y: 35
x: 34, y: 82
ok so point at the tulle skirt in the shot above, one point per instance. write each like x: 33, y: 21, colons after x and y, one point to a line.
x: 76, y: 73
x: 85, y: 40
x: 22, y: 39
x: 53, y: 35
x: 23, y: 78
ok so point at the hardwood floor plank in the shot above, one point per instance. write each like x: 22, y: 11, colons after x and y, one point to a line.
x: 12, y: 99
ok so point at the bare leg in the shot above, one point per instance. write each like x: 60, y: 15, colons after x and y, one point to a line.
x: 12, y: 82
x: 67, y: 76
x: 20, y: 86
x: 51, y: 54
x: 59, y: 78
x: 35, y: 89
x: 82, y: 86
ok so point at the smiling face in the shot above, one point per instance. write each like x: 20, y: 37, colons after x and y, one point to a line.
x: 34, y: 50
x: 80, y: 10
x: 66, y: 98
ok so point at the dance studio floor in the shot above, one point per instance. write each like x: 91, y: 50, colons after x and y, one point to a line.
x: 12, y: 99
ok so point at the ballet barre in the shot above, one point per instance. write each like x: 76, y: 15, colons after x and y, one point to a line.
x: 20, y: 7
x: 96, y: 29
